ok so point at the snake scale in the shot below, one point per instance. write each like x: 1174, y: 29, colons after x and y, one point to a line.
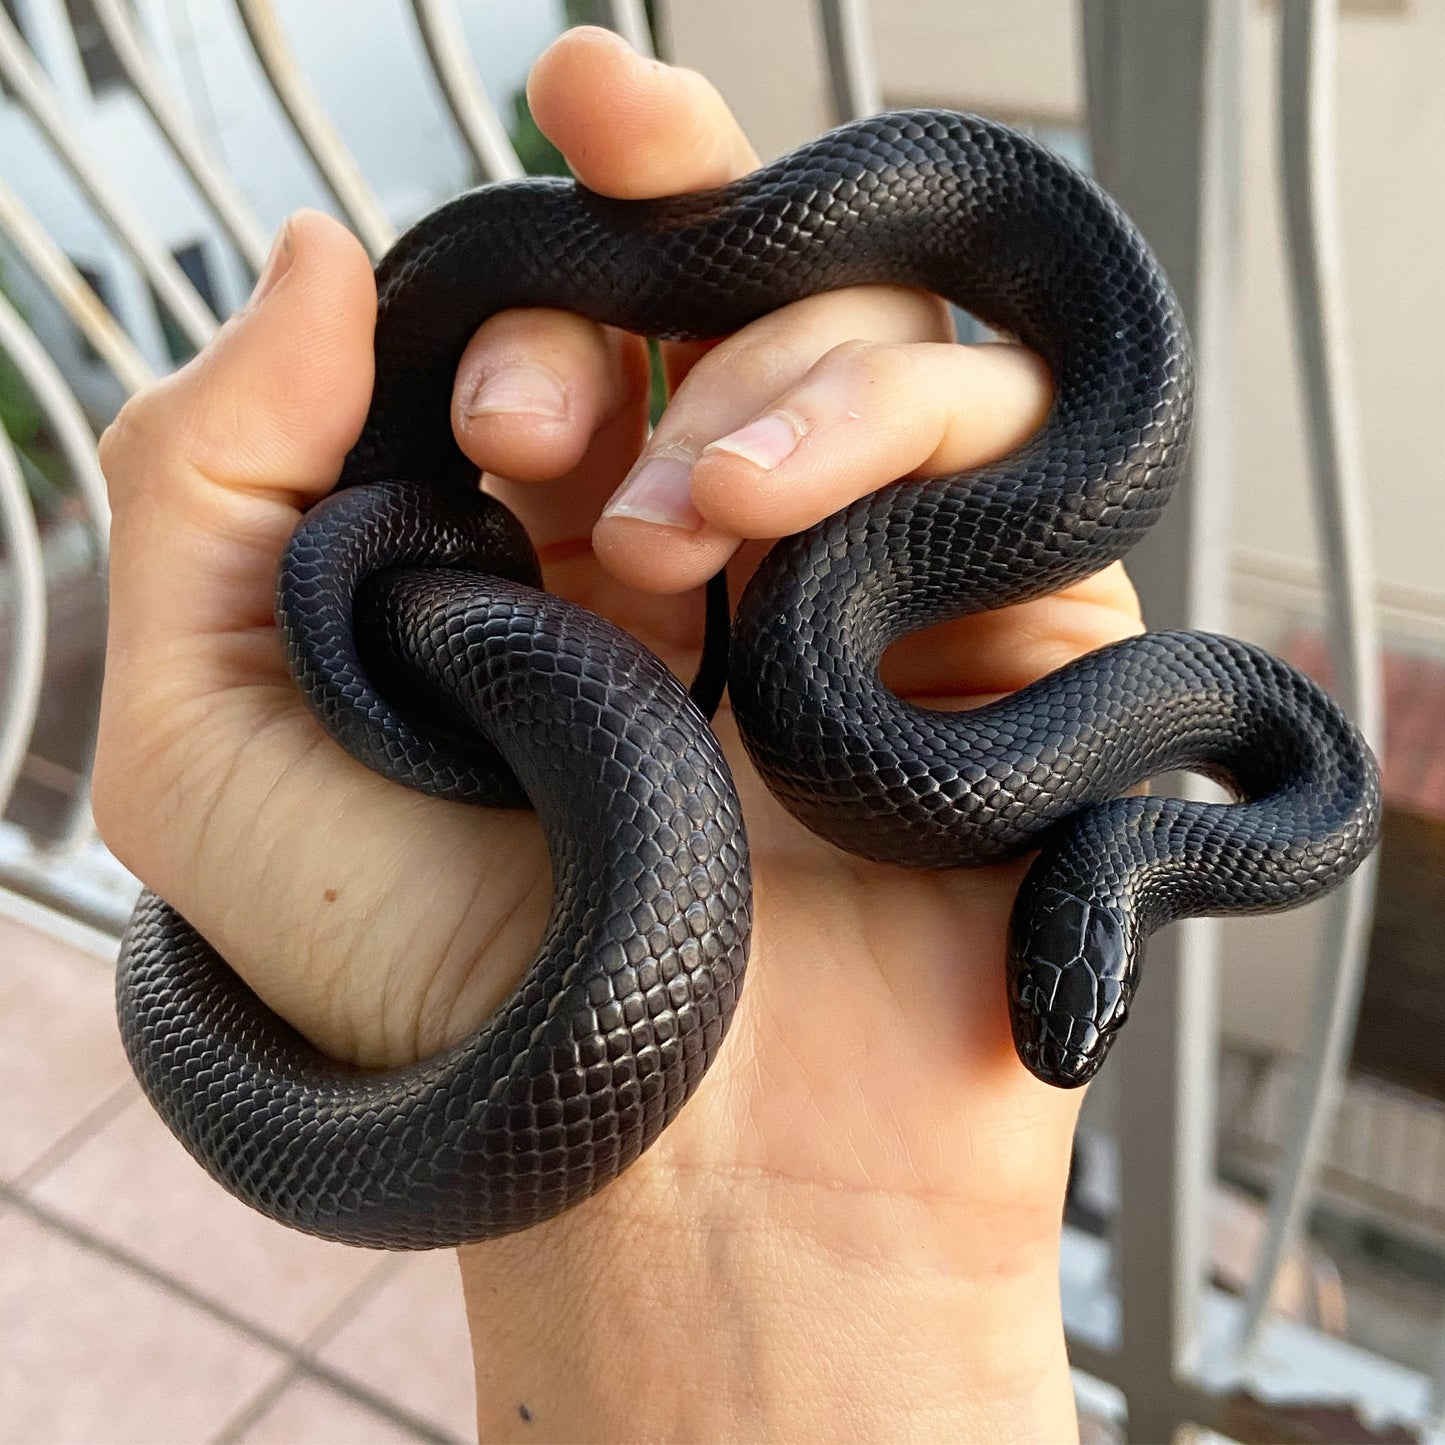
x: 412, y: 619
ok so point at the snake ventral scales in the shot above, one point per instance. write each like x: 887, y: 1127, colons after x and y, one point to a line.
x: 408, y: 586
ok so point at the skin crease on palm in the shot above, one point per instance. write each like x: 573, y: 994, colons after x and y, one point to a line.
x: 852, y: 1231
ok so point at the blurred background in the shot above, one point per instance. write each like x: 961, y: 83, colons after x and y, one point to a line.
x: 1255, y: 1240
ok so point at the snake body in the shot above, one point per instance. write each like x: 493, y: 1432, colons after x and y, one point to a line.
x: 415, y: 628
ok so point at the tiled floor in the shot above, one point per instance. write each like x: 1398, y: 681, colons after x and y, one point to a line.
x: 138, y: 1302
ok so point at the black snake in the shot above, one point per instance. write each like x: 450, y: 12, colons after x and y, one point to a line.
x: 409, y: 585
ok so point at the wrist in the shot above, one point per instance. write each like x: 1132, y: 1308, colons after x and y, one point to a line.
x: 616, y: 1323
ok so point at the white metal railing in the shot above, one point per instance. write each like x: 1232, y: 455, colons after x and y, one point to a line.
x: 334, y: 163
x: 475, y: 116
x: 852, y: 74
x: 22, y: 72
x: 21, y: 702
x: 230, y: 207
x: 1184, y: 1348
x: 71, y: 870
x: 1153, y: 72
x: 77, y: 445
x: 57, y: 273
x: 1159, y: 78
x: 1308, y: 192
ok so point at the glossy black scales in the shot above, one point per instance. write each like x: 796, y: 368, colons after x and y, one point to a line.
x: 1072, y: 973
x: 617, y: 1018
x: 413, y: 632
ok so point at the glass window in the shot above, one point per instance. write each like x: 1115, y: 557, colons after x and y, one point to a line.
x: 103, y: 70
x: 192, y: 260
x: 12, y: 9
x: 97, y: 283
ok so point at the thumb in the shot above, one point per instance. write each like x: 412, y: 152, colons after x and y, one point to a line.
x: 210, y: 469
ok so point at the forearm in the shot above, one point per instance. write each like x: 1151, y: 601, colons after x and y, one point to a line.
x: 611, y: 1326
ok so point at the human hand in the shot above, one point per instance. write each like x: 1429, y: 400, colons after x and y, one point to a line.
x: 856, y: 1219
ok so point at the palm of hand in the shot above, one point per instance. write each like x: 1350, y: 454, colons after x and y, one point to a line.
x: 872, y: 1043
x: 869, y: 1089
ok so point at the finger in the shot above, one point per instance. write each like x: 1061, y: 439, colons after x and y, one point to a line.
x: 533, y: 390
x: 628, y: 127
x: 560, y: 514
x: 977, y: 658
x: 865, y: 415
x: 631, y: 127
x: 208, y: 471
x: 652, y: 535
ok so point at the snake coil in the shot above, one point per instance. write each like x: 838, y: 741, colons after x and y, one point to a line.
x: 414, y: 627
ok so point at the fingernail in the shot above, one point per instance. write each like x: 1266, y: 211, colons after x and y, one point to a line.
x: 766, y: 442
x: 277, y: 264
x: 659, y: 489
x: 520, y: 391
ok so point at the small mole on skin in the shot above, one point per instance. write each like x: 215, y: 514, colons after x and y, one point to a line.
x: 330, y: 895
x: 524, y: 1412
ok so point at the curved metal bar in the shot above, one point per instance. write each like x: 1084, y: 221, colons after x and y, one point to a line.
x: 848, y: 39
x: 629, y: 19
x: 21, y: 702
x: 1307, y: 134
x: 62, y: 411
x: 475, y: 116
x: 228, y: 205
x: 1163, y: 111
x: 56, y: 270
x: 337, y: 166
x: 1436, y: 1422
x: 77, y: 445
x: 37, y: 95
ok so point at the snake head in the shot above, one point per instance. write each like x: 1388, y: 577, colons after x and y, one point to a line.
x: 1072, y: 967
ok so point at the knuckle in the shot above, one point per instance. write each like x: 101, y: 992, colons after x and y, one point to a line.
x: 757, y: 362
x: 933, y: 317
x: 121, y: 440
x: 870, y: 362
x: 854, y: 355
x: 514, y: 334
x: 112, y: 807
x: 133, y: 796
x: 149, y: 432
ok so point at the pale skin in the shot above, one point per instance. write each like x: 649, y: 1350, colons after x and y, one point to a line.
x: 852, y: 1231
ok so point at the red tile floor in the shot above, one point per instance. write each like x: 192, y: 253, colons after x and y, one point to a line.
x: 138, y: 1302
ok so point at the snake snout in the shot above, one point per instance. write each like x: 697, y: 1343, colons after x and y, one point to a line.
x: 1071, y: 972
